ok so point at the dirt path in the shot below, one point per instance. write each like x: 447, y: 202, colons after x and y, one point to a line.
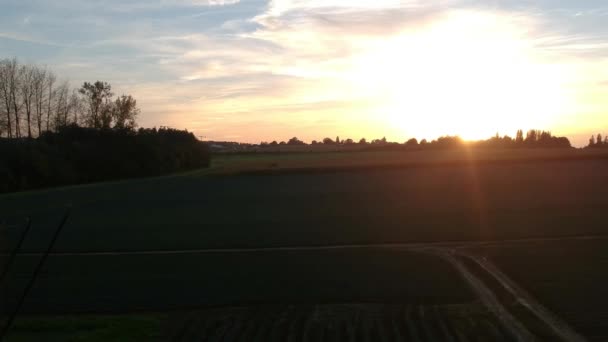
x: 510, y: 322
x: 559, y: 327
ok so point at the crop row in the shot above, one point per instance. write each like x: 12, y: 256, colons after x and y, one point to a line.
x: 346, y: 322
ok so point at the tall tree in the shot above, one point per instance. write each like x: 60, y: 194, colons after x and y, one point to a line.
x: 125, y: 112
x: 532, y: 137
x: 519, y: 137
x: 61, y: 105
x: 16, y: 76
x: 76, y: 107
x: 40, y: 78
x: 97, y: 96
x: 10, y: 77
x: 5, y: 96
x: 50, y: 82
x: 27, y: 94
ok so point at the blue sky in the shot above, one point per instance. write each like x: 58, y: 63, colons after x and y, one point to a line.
x: 263, y: 70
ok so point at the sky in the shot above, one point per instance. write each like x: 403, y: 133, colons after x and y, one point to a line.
x: 253, y: 70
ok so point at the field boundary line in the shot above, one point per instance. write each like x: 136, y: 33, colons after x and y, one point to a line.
x: 405, y: 245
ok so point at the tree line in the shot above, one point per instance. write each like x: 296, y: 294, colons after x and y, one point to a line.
x: 34, y: 101
x: 74, y: 155
x: 532, y: 138
x: 53, y: 135
x: 598, y: 141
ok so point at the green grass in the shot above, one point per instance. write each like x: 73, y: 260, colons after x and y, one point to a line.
x: 87, y: 328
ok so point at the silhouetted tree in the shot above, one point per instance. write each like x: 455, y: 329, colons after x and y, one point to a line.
x: 98, y: 96
x: 362, y: 141
x: 379, y: 141
x: 328, y: 141
x: 27, y: 94
x: 598, y: 141
x: 64, y: 90
x: 531, y: 137
x: 41, y: 78
x: 446, y: 142
x: 519, y: 137
x: 124, y: 112
x: 411, y: 142
x: 6, y: 67
x: 10, y: 90
x: 295, y: 141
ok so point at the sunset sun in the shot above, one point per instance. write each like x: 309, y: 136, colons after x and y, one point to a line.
x: 466, y: 74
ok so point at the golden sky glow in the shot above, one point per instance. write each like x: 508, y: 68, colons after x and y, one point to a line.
x: 253, y: 71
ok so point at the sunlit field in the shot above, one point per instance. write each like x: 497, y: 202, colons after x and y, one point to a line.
x: 284, y: 159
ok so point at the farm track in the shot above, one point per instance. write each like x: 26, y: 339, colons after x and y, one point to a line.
x: 415, y: 246
x: 559, y: 327
x: 488, y: 298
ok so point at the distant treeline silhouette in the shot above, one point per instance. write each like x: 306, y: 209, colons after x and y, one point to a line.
x: 51, y: 135
x: 598, y: 141
x: 533, y: 138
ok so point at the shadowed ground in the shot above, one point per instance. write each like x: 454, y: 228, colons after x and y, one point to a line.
x: 428, y: 203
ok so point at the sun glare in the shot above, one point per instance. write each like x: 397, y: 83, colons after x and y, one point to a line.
x: 469, y: 74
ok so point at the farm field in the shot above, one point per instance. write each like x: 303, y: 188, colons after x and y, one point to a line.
x: 455, y: 203
x: 273, y: 285
x: 190, y: 242
x: 106, y: 283
x: 568, y: 277
x: 314, y: 159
